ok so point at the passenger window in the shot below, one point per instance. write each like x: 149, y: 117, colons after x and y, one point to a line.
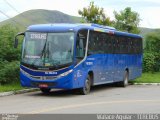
x: 92, y: 43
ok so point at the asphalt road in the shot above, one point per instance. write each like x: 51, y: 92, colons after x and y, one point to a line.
x: 102, y: 99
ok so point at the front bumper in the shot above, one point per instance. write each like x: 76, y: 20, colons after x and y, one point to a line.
x: 62, y: 82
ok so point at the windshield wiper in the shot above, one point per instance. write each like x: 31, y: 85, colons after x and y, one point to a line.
x: 43, y: 51
x: 48, y: 52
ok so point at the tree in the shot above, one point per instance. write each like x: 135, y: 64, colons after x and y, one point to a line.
x: 127, y: 20
x: 7, y: 51
x: 94, y: 14
x: 153, y: 42
x: 9, y: 57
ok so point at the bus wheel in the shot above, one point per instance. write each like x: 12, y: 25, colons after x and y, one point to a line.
x: 87, y: 87
x: 45, y: 90
x: 124, y: 83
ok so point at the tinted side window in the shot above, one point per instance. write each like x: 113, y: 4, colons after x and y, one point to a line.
x: 140, y: 48
x: 95, y: 43
x: 100, y: 43
x: 124, y: 45
x: 92, y: 43
x: 115, y: 44
x: 108, y: 43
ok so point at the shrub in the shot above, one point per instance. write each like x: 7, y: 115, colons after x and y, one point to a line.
x: 9, y: 72
x: 149, y: 62
x: 7, y: 51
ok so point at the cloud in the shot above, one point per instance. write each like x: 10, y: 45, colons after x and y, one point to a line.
x: 148, y: 9
x: 70, y: 6
x: 133, y: 3
x: 150, y: 17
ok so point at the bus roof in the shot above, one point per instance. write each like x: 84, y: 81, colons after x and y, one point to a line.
x: 63, y: 27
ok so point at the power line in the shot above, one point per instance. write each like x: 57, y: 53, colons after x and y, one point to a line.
x: 17, y: 10
x: 11, y: 6
x: 11, y: 18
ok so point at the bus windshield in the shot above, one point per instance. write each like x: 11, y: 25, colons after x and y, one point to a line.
x: 48, y: 49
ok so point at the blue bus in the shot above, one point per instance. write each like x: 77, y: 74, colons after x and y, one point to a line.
x: 78, y: 56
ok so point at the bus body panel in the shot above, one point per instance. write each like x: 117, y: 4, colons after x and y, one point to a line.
x: 30, y: 77
x: 106, y: 68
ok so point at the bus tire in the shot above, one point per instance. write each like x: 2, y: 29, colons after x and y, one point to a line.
x: 87, y: 87
x: 45, y: 90
x: 124, y: 83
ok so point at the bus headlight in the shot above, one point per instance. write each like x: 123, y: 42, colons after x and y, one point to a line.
x: 65, y: 73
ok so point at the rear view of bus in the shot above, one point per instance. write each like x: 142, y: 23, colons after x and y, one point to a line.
x: 77, y: 56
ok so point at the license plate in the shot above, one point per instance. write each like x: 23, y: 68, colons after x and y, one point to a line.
x: 43, y: 85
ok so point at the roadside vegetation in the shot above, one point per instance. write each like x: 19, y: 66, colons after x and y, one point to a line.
x: 13, y: 86
x: 125, y: 20
x: 148, y: 78
x: 9, y: 59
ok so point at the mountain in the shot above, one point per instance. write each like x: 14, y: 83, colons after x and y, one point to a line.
x: 40, y: 16
x: 145, y: 31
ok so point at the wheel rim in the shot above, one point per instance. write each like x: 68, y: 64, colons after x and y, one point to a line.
x: 126, y: 80
x: 87, y: 86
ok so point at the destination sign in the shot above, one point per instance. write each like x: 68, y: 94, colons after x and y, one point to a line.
x: 38, y: 36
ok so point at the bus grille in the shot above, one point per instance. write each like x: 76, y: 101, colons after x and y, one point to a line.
x: 44, y: 77
x: 39, y: 77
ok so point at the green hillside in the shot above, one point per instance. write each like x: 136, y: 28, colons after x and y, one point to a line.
x: 145, y: 31
x: 40, y: 16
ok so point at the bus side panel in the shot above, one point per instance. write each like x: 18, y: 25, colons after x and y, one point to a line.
x: 107, y: 68
x: 80, y: 76
x: 110, y: 68
x: 81, y: 71
x: 120, y: 64
x: 136, y: 66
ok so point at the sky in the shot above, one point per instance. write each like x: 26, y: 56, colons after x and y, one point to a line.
x: 148, y: 9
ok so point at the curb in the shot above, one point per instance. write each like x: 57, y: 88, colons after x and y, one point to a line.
x: 146, y: 83
x: 18, y: 92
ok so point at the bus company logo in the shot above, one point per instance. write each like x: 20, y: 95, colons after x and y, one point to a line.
x: 90, y: 58
x: 89, y: 63
x: 51, y: 73
x: 79, y: 73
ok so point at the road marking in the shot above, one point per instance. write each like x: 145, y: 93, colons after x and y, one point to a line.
x: 52, y: 108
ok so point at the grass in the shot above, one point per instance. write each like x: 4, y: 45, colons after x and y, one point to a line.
x: 11, y: 87
x: 148, y: 78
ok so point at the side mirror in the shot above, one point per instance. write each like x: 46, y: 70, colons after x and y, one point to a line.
x: 16, y: 39
x: 15, y: 43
